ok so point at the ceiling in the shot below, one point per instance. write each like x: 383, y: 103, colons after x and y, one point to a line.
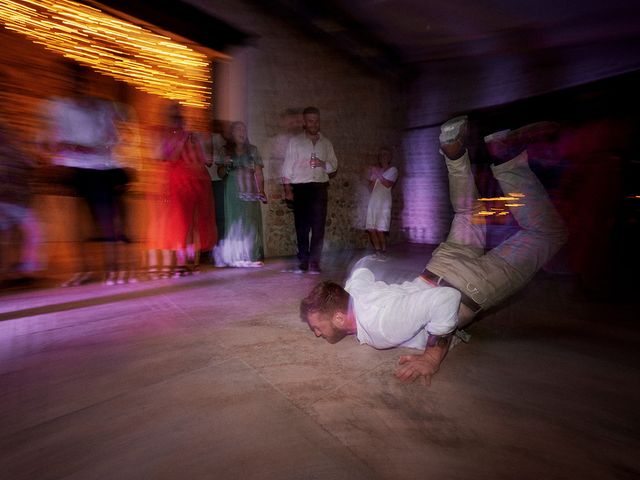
x: 397, y: 36
x: 406, y: 33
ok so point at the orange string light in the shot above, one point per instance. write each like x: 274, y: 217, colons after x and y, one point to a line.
x: 149, y: 61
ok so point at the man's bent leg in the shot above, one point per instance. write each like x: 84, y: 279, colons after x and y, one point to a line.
x: 456, y: 259
x: 542, y: 230
x: 490, y: 278
x: 463, y: 193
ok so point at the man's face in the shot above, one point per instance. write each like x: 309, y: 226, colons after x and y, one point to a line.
x: 312, y: 123
x: 323, y: 326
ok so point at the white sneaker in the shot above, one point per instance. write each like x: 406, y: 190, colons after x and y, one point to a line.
x: 112, y: 278
x: 497, y: 136
x: 452, y: 129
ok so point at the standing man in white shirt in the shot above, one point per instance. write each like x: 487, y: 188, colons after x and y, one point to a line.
x: 305, y: 174
x: 461, y: 279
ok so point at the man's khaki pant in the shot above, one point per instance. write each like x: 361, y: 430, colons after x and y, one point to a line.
x: 490, y: 278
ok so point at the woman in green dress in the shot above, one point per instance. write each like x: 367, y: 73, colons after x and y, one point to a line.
x: 241, y: 168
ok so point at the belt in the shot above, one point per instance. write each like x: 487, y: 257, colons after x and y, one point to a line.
x: 438, y: 281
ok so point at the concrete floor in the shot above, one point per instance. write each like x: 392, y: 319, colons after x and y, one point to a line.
x: 214, y: 376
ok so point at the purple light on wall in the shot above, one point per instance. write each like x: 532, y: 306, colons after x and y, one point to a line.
x: 426, y: 214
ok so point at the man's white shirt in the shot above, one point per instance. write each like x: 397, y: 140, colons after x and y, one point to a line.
x: 297, y: 167
x: 394, y: 315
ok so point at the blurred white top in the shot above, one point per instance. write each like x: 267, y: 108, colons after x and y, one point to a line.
x: 90, y: 127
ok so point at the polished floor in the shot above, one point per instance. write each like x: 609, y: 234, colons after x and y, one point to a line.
x: 214, y: 376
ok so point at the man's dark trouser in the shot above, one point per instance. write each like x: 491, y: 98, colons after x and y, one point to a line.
x: 310, y: 212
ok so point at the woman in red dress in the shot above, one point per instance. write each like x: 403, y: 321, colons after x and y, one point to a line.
x: 190, y: 216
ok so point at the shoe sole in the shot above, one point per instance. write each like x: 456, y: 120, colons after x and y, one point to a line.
x: 451, y: 130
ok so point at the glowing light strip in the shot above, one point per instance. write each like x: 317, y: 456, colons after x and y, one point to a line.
x: 500, y: 199
x: 149, y: 61
x: 488, y: 213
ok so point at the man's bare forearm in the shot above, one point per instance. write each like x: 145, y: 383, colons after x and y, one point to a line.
x: 437, y: 351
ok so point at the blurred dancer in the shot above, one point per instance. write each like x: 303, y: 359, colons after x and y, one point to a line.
x: 81, y: 137
x: 190, y: 225
x: 15, y: 206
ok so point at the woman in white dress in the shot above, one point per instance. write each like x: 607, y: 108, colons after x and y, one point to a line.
x: 381, y: 179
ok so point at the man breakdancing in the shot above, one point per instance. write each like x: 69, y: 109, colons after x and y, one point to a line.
x: 461, y: 279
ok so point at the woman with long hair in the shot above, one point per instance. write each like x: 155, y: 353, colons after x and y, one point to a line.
x: 241, y: 167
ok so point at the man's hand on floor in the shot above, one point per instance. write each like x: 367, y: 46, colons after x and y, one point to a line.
x: 422, y: 367
x: 414, y: 367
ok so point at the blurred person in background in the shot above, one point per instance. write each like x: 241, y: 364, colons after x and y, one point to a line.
x: 129, y: 155
x: 289, y: 125
x: 308, y: 162
x: 241, y: 167
x: 15, y: 208
x: 214, y: 151
x: 81, y: 136
x: 382, y: 178
x: 189, y: 225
